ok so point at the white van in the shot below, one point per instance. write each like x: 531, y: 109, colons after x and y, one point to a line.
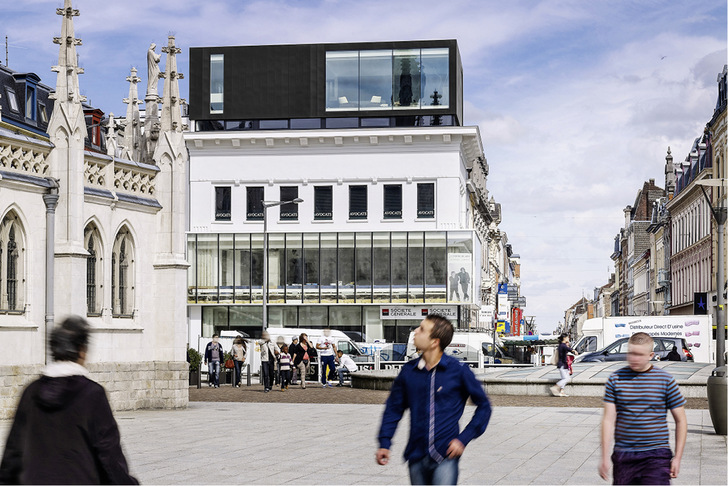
x: 286, y: 335
x: 465, y: 346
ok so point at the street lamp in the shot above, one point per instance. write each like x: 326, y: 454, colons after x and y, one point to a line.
x: 720, y: 214
x: 266, y: 205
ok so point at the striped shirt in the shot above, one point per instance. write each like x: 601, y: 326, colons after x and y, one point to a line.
x: 285, y: 361
x: 642, y: 400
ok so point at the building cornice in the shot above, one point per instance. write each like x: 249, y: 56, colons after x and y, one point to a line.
x: 218, y: 141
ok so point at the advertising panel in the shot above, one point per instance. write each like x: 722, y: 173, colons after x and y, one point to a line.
x: 417, y: 312
x: 459, y: 282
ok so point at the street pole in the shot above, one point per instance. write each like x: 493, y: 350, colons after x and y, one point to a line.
x: 265, y: 267
x: 720, y: 214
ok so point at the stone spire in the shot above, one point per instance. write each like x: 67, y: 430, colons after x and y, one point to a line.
x: 669, y: 175
x: 151, y: 111
x: 111, y: 143
x: 170, y: 155
x: 132, y: 130
x: 67, y: 82
x: 67, y: 131
x: 171, y: 114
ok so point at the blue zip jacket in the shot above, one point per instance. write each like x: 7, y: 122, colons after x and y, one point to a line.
x: 454, y: 384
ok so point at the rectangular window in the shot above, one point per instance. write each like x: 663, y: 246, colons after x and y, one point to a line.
x: 217, y: 82
x: 342, y: 80
x: 375, y: 80
x: 42, y: 112
x: 323, y: 203
x: 222, y: 203
x: 289, y: 212
x: 358, y: 202
x: 393, y: 201
x: 12, y: 100
x: 406, y: 78
x: 30, y: 102
x: 435, y: 78
x: 426, y: 200
x: 255, y: 204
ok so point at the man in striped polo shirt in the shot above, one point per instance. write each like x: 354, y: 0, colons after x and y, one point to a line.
x: 636, y: 400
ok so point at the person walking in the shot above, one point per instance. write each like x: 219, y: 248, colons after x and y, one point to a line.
x: 326, y: 347
x: 213, y: 358
x: 636, y: 400
x: 435, y: 388
x: 302, y: 358
x: 268, y: 353
x: 284, y: 362
x: 64, y: 431
x: 562, y: 365
x: 238, y: 352
x: 292, y: 351
x: 346, y: 364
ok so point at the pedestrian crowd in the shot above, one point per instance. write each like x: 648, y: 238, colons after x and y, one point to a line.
x: 281, y: 364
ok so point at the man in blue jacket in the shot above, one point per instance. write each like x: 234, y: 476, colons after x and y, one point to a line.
x: 435, y: 387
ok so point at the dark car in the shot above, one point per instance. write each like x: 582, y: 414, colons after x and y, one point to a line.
x: 617, y: 351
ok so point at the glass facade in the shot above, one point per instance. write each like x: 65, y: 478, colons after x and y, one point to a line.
x: 380, y: 80
x: 336, y: 268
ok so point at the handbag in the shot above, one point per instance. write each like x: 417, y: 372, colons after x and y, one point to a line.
x: 229, y: 364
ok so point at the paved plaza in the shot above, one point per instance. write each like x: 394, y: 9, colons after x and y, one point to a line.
x: 300, y: 443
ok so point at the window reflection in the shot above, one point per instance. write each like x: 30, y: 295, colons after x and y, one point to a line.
x: 435, y: 78
x: 217, y: 82
x: 342, y: 80
x: 406, y: 78
x: 375, y: 80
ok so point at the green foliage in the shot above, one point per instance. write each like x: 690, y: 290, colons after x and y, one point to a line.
x: 194, y: 358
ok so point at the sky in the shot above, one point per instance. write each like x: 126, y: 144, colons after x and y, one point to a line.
x: 577, y: 101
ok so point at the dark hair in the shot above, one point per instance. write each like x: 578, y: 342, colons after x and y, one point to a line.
x: 215, y: 335
x: 562, y: 337
x: 302, y: 339
x: 284, y: 347
x: 442, y: 329
x: 70, y: 338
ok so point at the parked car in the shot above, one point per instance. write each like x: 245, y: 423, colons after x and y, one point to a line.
x: 617, y: 351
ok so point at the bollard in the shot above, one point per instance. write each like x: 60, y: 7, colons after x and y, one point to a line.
x: 199, y: 377
x: 717, y: 393
x: 377, y: 360
x: 481, y: 361
x: 249, y: 375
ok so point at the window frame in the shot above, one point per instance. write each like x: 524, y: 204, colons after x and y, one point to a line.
x: 425, y: 212
x: 359, y: 217
x: 220, y: 210
x: 256, y: 216
x: 317, y: 194
x: 12, y: 99
x: 394, y: 213
x: 288, y: 212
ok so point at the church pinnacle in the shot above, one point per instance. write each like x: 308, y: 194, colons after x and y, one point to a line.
x: 67, y: 88
x: 171, y: 119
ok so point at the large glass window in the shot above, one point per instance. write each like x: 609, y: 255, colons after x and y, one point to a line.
x: 435, y: 78
x: 255, y: 203
x: 276, y: 267
x: 242, y: 268
x: 375, y: 80
x: 426, y: 200
x: 227, y: 268
x: 399, y: 267
x: 416, y: 256
x: 217, y: 82
x: 323, y: 203
x: 294, y: 266
x: 435, y: 266
x: 207, y: 267
x: 248, y: 319
x: 289, y: 212
x: 329, y: 278
x: 315, y: 316
x: 381, y: 267
x: 363, y: 267
x: 222, y: 203
x: 406, y: 78
x: 192, y: 270
x: 342, y: 80
x: 393, y: 201
x: 384, y: 80
x: 283, y: 316
x: 346, y: 267
x: 358, y: 202
x: 256, y: 273
x: 311, y: 267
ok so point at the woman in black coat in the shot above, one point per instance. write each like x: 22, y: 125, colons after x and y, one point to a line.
x: 64, y: 431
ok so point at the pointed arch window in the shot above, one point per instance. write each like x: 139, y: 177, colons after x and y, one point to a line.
x: 122, y: 275
x: 94, y: 271
x: 12, y: 265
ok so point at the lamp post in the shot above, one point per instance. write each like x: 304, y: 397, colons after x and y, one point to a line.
x: 266, y: 205
x: 720, y: 214
x: 717, y: 383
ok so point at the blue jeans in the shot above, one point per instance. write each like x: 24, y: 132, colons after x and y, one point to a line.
x: 428, y: 471
x: 326, y: 361
x: 213, y: 369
